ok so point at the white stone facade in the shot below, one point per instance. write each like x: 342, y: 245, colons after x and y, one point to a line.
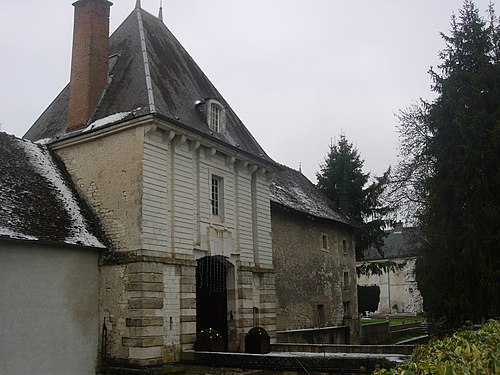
x: 150, y: 183
x: 398, y: 289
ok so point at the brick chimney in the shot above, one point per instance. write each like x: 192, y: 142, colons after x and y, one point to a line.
x: 89, y: 62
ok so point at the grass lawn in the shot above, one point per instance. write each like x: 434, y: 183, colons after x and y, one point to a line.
x: 394, y: 321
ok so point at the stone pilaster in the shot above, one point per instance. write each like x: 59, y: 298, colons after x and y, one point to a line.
x: 144, y: 338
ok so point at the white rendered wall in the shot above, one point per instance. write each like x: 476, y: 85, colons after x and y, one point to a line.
x: 49, y: 310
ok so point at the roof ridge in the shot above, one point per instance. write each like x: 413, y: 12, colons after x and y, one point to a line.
x: 147, y: 73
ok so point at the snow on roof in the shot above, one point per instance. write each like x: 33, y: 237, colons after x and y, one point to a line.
x: 107, y: 120
x: 292, y: 189
x: 36, y: 199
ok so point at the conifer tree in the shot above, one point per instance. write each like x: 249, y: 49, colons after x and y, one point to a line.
x: 458, y: 183
x: 342, y: 180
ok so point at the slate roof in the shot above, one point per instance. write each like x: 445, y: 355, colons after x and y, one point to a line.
x: 399, y: 243
x: 291, y: 189
x: 37, y: 200
x: 176, y: 83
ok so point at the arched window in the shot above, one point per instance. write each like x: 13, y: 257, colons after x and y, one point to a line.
x: 216, y: 116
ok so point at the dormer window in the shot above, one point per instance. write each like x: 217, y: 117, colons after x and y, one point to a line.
x: 213, y: 113
x: 215, y: 117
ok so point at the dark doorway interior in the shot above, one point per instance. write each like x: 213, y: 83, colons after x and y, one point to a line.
x: 211, y: 295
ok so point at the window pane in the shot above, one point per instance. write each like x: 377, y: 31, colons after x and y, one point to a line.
x: 215, y: 195
x: 214, y: 117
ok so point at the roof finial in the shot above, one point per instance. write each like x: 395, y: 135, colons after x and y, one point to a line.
x: 300, y: 167
x: 138, y: 4
x: 160, y: 13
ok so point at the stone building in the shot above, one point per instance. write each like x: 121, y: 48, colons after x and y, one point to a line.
x: 179, y: 183
x: 314, y: 259
x: 398, y: 287
x: 49, y: 249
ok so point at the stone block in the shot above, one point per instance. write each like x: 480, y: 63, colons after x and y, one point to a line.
x: 188, y: 338
x: 146, y: 331
x: 190, y: 280
x: 142, y: 286
x: 146, y: 303
x: 145, y: 353
x: 188, y: 288
x: 188, y: 318
x: 142, y: 342
x: 145, y: 322
x: 188, y: 303
x: 145, y: 267
x: 144, y: 313
x: 188, y: 271
x: 146, y: 277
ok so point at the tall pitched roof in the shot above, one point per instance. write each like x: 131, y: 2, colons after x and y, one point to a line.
x: 291, y: 189
x: 37, y: 201
x: 150, y: 73
x: 399, y: 243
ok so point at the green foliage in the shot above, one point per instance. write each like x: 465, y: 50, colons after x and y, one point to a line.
x: 379, y: 268
x: 368, y: 298
x: 451, y: 174
x: 468, y: 351
x: 257, y: 331
x: 342, y: 180
x: 209, y: 334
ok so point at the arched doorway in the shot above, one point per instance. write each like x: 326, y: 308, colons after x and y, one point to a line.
x: 212, y: 295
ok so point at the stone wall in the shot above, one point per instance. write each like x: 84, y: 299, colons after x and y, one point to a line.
x: 315, y: 277
x: 398, y: 289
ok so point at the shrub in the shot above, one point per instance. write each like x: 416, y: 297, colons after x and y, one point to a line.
x: 368, y: 298
x: 209, y: 340
x: 257, y: 341
x: 467, y: 351
x: 209, y: 334
x: 257, y: 331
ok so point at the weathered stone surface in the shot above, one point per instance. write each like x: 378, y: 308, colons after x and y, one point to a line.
x: 146, y: 277
x: 146, y: 303
x: 145, y: 322
x: 142, y: 342
x: 152, y: 287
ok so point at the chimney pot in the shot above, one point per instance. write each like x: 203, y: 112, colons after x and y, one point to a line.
x: 89, y: 61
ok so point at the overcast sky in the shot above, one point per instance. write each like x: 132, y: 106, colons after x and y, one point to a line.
x: 297, y: 72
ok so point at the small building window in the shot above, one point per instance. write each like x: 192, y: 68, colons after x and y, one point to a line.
x: 346, y: 278
x: 344, y: 246
x: 321, y: 315
x: 216, y: 195
x: 256, y: 316
x: 215, y: 117
x: 213, y: 113
x: 324, y: 242
x: 347, y: 308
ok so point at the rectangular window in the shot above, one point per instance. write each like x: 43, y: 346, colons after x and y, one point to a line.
x: 214, y: 117
x: 344, y: 246
x: 346, y: 278
x: 324, y: 242
x: 216, y: 196
x: 321, y: 315
x: 347, y: 308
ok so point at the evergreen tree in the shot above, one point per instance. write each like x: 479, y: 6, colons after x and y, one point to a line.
x: 342, y: 180
x: 458, y: 188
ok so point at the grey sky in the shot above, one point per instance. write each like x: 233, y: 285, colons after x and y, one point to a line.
x: 297, y: 72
